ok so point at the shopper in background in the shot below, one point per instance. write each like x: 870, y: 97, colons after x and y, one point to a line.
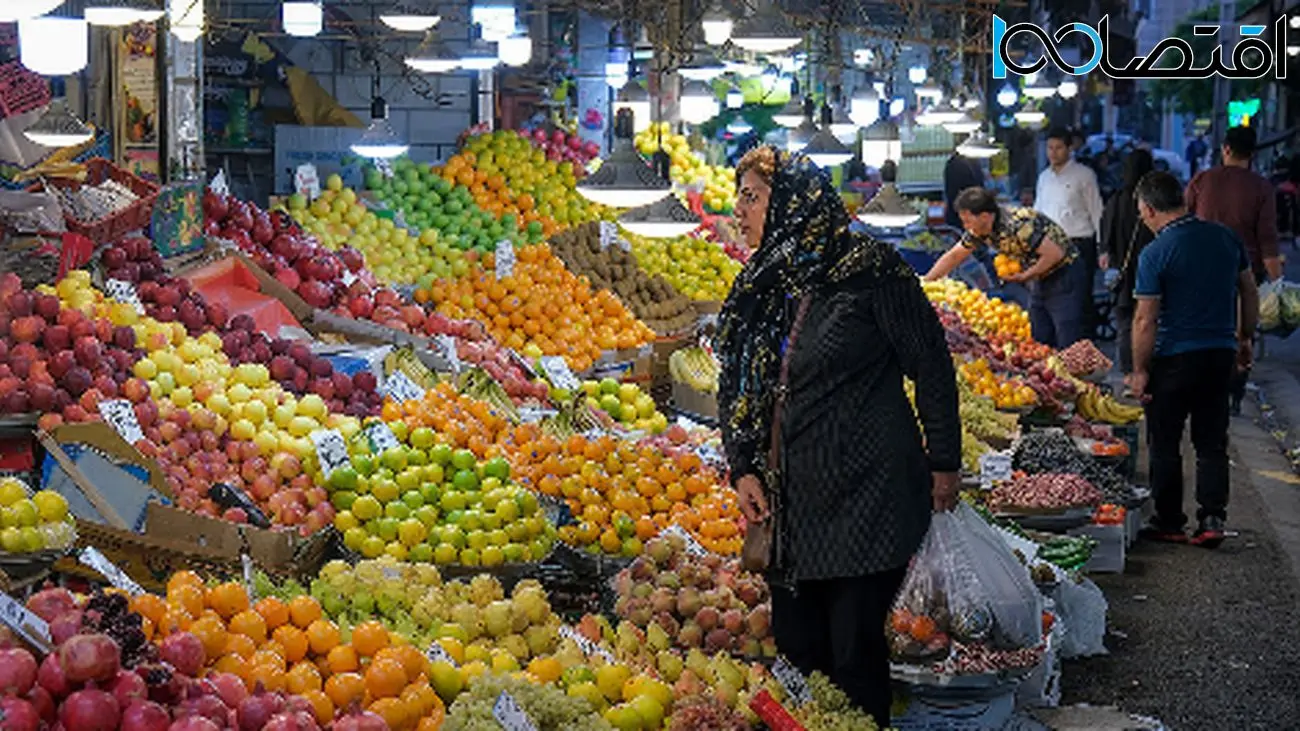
x: 1196, y: 150
x: 1048, y: 261
x: 1187, y: 339
x: 1122, y: 238
x: 1241, y: 199
x: 959, y: 173
x: 814, y: 341
x: 1068, y: 194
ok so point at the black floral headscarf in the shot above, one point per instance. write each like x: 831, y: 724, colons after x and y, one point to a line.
x: 806, y: 245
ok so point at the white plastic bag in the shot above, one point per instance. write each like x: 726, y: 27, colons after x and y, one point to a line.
x: 965, y: 586
x: 1081, y: 607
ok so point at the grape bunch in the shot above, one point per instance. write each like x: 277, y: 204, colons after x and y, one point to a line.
x: 830, y: 709
x: 110, y: 614
x: 1055, y: 452
x: 702, y: 713
x: 548, y: 707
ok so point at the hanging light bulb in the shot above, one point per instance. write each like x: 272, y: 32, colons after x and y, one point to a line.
x: 1068, y: 89
x: 496, y: 18
x: 766, y: 31
x: 624, y: 180
x: 735, y: 98
x: 825, y: 150
x: 185, y: 19
x: 1036, y: 87
x: 1008, y: 96
x: 705, y: 67
x: 437, y: 59
x: 717, y: 25
x: 864, y: 107
x: 14, y: 10
x: 698, y: 103
x: 666, y: 218
x: 479, y: 57
x: 409, y: 19
x: 963, y: 125
x: 59, y: 127
x: 739, y: 125
x: 517, y: 50
x: 302, y: 19
x: 114, y: 13
x: 791, y: 115
x: 881, y: 142
x: 917, y: 74
x: 379, y: 141
x: 978, y: 146
x: 53, y: 46
x: 635, y: 99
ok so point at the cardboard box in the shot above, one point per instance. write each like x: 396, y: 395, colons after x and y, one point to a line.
x: 694, y: 403
x: 207, y: 268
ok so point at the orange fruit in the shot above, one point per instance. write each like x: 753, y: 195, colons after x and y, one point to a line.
x: 321, y: 705
x: 233, y: 664
x: 431, y: 722
x: 345, y: 688
x: 411, y: 658
x: 274, y: 611
x: 323, y: 636
x: 240, y: 645
x: 211, y: 631
x: 268, y: 676
x: 184, y: 578
x: 421, y: 697
x: 250, y: 624
x: 150, y: 606
x: 303, y: 677
x: 228, y: 599
x: 270, y: 655
x: 293, y: 640
x: 342, y: 659
x: 394, y: 712
x: 188, y: 598
x: 303, y: 610
x: 385, y: 678
x: 369, y: 637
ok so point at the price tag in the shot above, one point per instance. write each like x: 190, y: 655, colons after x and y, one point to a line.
x: 99, y: 562
x: 533, y: 414
x: 511, y: 717
x: 505, y: 259
x: 792, y: 681
x: 381, y: 437
x: 124, y: 292
x: 246, y: 561
x: 995, y: 467
x: 399, y: 387
x: 587, y: 646
x: 447, y: 344
x: 436, y: 653
x: 392, y: 573
x: 558, y: 373
x: 306, y: 181
x: 693, y: 546
x: 384, y: 167
x: 608, y: 234
x: 331, y: 450
x: 348, y: 277
x: 219, y: 184
x: 29, y: 626
x: 120, y: 414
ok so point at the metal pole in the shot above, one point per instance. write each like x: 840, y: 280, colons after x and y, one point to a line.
x: 1222, y: 85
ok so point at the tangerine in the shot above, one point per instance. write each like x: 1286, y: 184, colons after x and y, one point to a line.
x: 249, y: 624
x: 274, y: 611
x: 342, y: 659
x: 321, y: 705
x: 385, y: 678
x: 345, y: 688
x: 323, y: 636
x: 293, y: 640
x: 228, y: 599
x: 303, y: 677
x: 369, y: 638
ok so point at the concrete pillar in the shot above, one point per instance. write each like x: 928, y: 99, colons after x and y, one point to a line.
x: 184, y: 109
x: 593, y: 91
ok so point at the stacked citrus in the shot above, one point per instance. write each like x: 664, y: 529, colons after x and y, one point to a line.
x: 986, y: 316
x: 696, y: 267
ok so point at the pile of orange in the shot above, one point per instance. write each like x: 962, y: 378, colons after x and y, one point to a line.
x: 620, y: 492
x: 1005, y: 266
x: 987, y: 316
x: 1007, y: 392
x: 541, y: 306
x: 291, y: 646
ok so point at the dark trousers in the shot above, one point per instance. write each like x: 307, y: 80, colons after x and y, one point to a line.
x: 1056, y: 308
x: 837, y: 626
x: 1124, y: 334
x: 1191, y: 384
x: 1087, y: 247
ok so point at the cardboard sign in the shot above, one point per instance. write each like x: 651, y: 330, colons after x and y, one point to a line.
x: 331, y: 450
x: 436, y: 653
x: 91, y: 557
x: 511, y: 717
x: 399, y: 387
x: 25, y: 624
x: 792, y: 681
x: 558, y: 373
x: 447, y: 346
x: 124, y: 292
x: 505, y: 259
x: 381, y: 437
x: 120, y: 414
x: 693, y: 546
x: 219, y: 184
x: 306, y: 181
x: 587, y: 646
x: 994, y: 467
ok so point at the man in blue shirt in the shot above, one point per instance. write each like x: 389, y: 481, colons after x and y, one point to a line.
x: 1187, y: 341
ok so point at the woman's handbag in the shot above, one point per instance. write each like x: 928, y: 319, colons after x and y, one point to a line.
x: 1128, y: 259
x: 759, y: 548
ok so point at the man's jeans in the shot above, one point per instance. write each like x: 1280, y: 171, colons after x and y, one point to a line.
x: 1056, y: 307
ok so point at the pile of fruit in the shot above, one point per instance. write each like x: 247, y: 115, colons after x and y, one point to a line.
x: 1054, y: 452
x: 563, y: 146
x: 1045, y: 491
x: 1083, y: 359
x: 609, y: 266
x: 986, y: 316
x: 717, y: 184
x: 1005, y: 266
x: 625, y: 403
x: 694, y: 266
x: 1093, y: 405
x: 1007, y: 392
x: 695, y: 367
x: 520, y: 177
x: 33, y: 522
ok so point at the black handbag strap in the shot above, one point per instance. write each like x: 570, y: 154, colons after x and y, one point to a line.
x: 783, y: 382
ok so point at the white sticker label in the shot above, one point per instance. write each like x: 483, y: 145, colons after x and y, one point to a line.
x: 115, y: 576
x: 219, y: 184
x: 586, y: 645
x: 436, y: 653
x: 447, y: 346
x: 693, y: 546
x: 381, y: 437
x: 399, y: 387
x: 246, y: 561
x: 348, y: 277
x: 120, y: 414
x: 511, y: 717
x: 124, y: 292
x: 384, y: 167
x: 505, y: 259
x: 792, y: 681
x: 995, y: 467
x: 331, y: 450
x: 533, y: 414
x: 558, y: 373
x: 608, y: 234
x: 25, y: 623
x: 306, y: 181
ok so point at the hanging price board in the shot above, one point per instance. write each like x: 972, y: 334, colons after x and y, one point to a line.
x: 25, y: 623
x: 120, y: 414
x: 381, y: 437
x: 399, y: 387
x: 792, y: 681
x: 994, y: 467
x: 511, y: 717
x: 306, y: 181
x: 115, y: 576
x: 586, y: 645
x: 331, y: 450
x: 219, y: 184
x: 505, y: 258
x: 558, y: 373
x: 436, y: 653
x: 447, y: 346
x: 693, y: 546
x: 124, y: 292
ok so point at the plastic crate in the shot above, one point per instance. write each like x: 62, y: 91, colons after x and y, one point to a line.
x: 135, y: 217
x: 21, y: 91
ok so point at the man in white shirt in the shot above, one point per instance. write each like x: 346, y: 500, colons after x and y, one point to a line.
x: 1068, y: 194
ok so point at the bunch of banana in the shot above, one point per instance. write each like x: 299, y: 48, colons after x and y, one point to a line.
x: 1094, y: 406
x: 1060, y: 371
x: 694, y: 367
x: 477, y: 383
x: 404, y: 360
x: 573, y: 417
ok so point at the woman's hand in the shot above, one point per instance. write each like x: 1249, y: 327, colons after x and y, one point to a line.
x: 944, y: 491
x: 753, y: 503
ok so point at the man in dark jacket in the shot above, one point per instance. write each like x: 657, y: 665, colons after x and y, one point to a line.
x: 960, y: 173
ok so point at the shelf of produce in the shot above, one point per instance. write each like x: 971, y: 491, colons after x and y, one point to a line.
x: 1054, y: 522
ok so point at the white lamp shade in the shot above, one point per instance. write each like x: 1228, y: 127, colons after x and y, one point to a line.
x: 717, y: 31
x: 1068, y: 89
x: 640, y: 113
x: 917, y: 74
x: 116, y: 13
x: 1008, y: 96
x: 408, y: 21
x: 379, y: 142
x: 302, y: 19
x: 186, y: 19
x: 698, y: 103
x: 517, y: 50
x: 876, y: 152
x: 54, y: 46
x: 864, y: 107
x: 15, y: 10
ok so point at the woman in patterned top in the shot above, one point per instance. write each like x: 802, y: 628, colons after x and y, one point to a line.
x: 815, y: 339
x: 1049, y: 263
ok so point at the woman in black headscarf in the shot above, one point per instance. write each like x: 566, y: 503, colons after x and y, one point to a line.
x: 814, y: 340
x: 1123, y: 236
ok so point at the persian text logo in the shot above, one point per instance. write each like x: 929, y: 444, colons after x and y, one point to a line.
x: 1144, y: 67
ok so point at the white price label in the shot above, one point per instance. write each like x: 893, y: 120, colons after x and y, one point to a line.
x: 124, y: 292
x: 392, y: 573
x: 115, y: 576
x: 26, y: 623
x: 995, y: 467
x: 381, y: 437
x: 219, y: 184
x: 447, y: 344
x: 693, y: 546
x: 306, y: 181
x: 792, y: 681
x: 608, y: 234
x: 533, y: 414
x: 246, y: 561
x: 505, y: 258
x: 384, y: 167
x: 348, y: 277
x: 331, y: 450
x: 436, y: 653
x: 399, y: 387
x: 120, y: 414
x: 586, y: 645
x: 511, y: 717
x: 558, y: 373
